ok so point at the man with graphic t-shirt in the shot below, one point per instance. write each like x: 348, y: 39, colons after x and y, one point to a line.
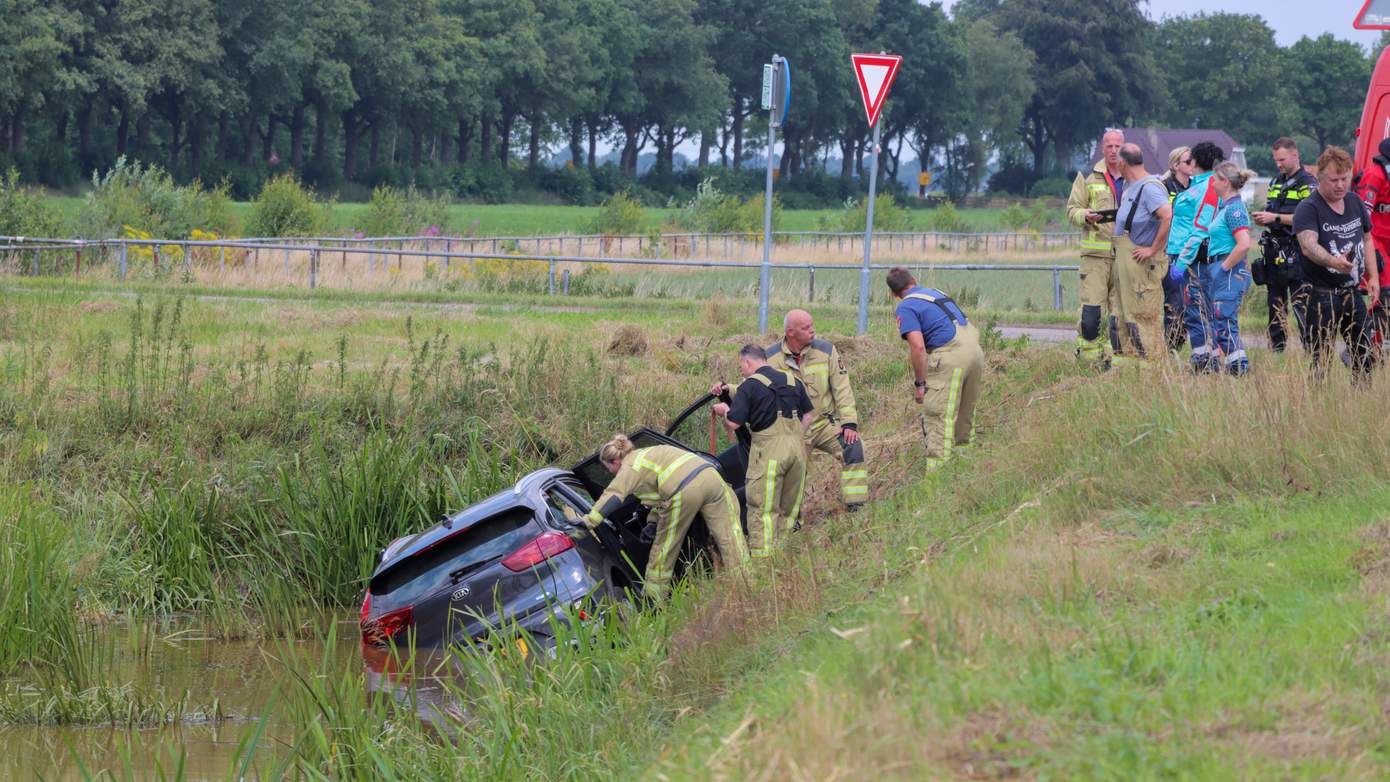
x: 1335, y: 251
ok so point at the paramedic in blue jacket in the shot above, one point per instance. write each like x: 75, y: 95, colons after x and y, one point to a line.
x: 1222, y: 278
x: 1193, y: 209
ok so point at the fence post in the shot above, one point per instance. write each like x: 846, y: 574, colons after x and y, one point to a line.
x: 313, y: 269
x: 35, y: 270
x: 123, y: 248
x: 187, y: 259
x: 78, y: 271
x: 551, y: 277
x: 1057, y: 289
x: 156, y: 259
x: 811, y: 286
x: 565, y: 278
x: 287, y: 261
x: 580, y: 251
x: 449, y: 250
x: 222, y: 259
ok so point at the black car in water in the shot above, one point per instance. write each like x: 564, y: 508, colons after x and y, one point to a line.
x: 521, y: 558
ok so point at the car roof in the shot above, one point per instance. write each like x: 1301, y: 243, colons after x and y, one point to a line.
x: 522, y: 493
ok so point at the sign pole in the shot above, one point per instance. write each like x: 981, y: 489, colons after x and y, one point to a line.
x: 868, y: 235
x: 771, y: 75
x: 765, y: 281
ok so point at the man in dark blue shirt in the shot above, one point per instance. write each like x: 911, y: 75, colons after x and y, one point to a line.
x: 947, y: 363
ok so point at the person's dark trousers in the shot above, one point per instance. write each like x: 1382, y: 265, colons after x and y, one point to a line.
x: 1331, y: 312
x: 1282, y: 307
x: 1173, y: 306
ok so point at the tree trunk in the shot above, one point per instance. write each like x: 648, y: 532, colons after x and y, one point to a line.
x: 60, y: 130
x: 705, y: 146
x: 576, y: 140
x: 321, y: 133
x: 724, y: 138
x: 533, y: 150
x: 142, y: 132
x: 350, y: 138
x: 17, y: 130
x: 593, y: 146
x: 373, y: 144
x: 297, y: 124
x: 248, y: 139
x: 859, y: 157
x: 268, y: 140
x: 196, y: 136
x: 84, y: 132
x: 629, y: 157
x: 738, y: 134
x: 485, y: 138
x: 504, y: 144
x: 846, y: 157
x: 417, y: 147
x: 465, y: 130
x: 123, y: 132
x: 222, y: 124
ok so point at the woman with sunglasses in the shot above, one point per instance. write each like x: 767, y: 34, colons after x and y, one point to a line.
x: 1179, y: 176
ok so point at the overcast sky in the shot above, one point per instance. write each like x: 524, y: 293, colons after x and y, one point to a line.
x: 1290, y: 19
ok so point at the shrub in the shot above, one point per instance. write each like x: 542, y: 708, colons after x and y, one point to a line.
x: 572, y: 183
x: 1014, y: 217
x: 409, y: 212
x: 945, y: 219
x: 1052, y: 187
x: 713, y: 211
x: 25, y: 212
x: 621, y: 214
x: 286, y: 208
x: 146, y: 198
x: 888, y: 216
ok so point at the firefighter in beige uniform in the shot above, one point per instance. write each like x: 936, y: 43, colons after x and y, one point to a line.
x: 677, y: 485
x: 777, y: 411
x: 947, y: 363
x: 835, y: 426
x: 1091, y: 207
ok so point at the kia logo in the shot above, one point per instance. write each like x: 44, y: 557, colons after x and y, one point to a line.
x: 460, y: 593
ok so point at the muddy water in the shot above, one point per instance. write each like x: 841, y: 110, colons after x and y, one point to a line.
x: 242, y: 676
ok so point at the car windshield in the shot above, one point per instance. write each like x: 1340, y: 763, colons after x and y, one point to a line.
x: 456, y: 556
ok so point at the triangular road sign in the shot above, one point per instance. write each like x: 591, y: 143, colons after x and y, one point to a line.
x: 875, y: 73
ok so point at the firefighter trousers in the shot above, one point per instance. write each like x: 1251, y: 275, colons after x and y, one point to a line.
x: 707, y: 496
x: 775, y: 484
x: 854, y: 475
x: 1140, y: 291
x: 954, y: 373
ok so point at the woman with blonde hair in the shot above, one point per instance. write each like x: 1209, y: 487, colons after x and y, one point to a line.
x: 1180, y: 169
x: 676, y: 485
x: 1224, y: 277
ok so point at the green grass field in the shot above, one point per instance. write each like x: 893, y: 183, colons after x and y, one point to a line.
x: 1136, y: 575
x: 529, y: 220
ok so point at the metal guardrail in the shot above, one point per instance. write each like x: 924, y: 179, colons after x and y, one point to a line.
x: 118, y: 252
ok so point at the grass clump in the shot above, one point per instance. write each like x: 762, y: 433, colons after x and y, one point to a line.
x: 889, y: 216
x: 714, y: 211
x: 26, y: 212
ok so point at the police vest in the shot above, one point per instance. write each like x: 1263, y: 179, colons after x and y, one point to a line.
x: 1283, y: 197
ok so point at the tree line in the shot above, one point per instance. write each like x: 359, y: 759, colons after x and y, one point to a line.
x: 460, y: 94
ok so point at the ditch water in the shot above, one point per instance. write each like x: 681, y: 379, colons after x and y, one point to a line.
x: 243, y: 677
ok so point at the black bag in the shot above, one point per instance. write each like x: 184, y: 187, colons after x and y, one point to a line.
x: 1257, y: 271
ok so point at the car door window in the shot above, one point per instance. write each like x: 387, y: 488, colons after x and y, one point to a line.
x: 564, y: 509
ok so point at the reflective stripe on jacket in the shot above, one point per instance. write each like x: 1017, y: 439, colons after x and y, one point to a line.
x: 1093, y: 193
x: 822, y: 370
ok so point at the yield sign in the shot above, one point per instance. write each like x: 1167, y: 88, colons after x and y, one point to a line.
x: 875, y: 73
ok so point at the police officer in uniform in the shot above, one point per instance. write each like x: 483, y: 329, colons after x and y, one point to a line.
x: 947, y: 363
x: 835, y: 426
x: 1280, y: 270
x: 776, y: 410
x: 676, y: 485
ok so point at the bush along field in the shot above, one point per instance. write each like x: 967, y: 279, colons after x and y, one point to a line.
x: 1136, y: 575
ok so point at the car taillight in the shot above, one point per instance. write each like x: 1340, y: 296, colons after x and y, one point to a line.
x: 537, y: 551
x: 379, y: 630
